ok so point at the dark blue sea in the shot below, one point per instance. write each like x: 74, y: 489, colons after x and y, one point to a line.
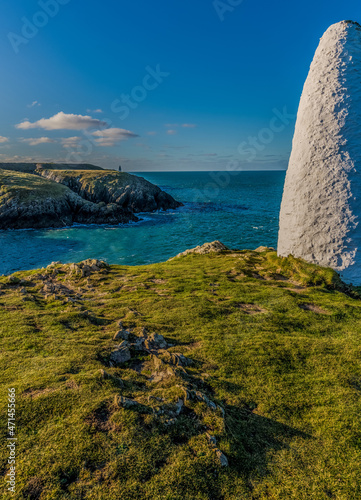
x: 241, y: 210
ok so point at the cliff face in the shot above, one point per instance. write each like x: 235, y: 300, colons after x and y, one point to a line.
x: 321, y: 206
x: 28, y: 201
x: 128, y: 191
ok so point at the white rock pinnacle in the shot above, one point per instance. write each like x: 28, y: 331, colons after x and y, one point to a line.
x: 321, y: 206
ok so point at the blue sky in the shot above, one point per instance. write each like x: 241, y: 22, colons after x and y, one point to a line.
x: 161, y: 85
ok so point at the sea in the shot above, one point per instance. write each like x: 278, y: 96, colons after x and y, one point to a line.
x: 241, y: 209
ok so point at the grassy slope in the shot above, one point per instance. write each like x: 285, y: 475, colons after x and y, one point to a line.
x: 274, y: 342
x: 27, y: 187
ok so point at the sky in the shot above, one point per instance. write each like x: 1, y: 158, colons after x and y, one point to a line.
x: 164, y: 85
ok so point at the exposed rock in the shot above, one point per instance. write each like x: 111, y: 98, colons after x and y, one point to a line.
x: 177, y: 359
x: 212, y: 440
x: 215, y: 246
x: 179, y: 405
x: 155, y: 341
x: 120, y: 355
x: 222, y: 458
x: 320, y: 212
x: 130, y: 192
x: 121, y: 335
x: 265, y: 249
x: 202, y: 397
x: 27, y: 201
x: 121, y: 401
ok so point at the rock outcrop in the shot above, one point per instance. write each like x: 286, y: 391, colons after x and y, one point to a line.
x: 321, y: 206
x: 128, y: 191
x: 58, y: 198
x: 27, y: 201
x: 215, y: 246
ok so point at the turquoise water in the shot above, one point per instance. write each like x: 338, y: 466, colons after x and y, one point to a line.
x: 241, y: 211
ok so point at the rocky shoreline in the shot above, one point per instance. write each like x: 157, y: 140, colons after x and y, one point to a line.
x: 58, y: 198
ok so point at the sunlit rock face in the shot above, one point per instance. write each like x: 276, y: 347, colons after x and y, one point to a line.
x: 321, y: 205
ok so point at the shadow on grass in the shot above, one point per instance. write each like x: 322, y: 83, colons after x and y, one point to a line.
x: 253, y: 438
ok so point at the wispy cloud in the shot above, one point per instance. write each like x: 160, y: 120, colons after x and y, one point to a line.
x: 171, y: 132
x: 95, y: 110
x: 151, y: 133
x: 35, y: 141
x: 70, y: 142
x: 111, y: 136
x: 3, y: 139
x: 184, y: 125
x: 33, y: 104
x: 63, y: 121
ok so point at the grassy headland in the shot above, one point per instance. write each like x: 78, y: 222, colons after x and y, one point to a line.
x: 56, y: 198
x: 129, y: 191
x: 273, y: 373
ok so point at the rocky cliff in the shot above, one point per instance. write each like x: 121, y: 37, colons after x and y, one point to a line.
x: 321, y: 206
x: 29, y: 201
x: 128, y: 191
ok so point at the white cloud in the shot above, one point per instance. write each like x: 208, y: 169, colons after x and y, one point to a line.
x: 111, y: 136
x: 171, y: 125
x: 37, y: 140
x: 33, y: 104
x: 171, y: 132
x: 63, y: 121
x: 189, y: 125
x: 3, y: 139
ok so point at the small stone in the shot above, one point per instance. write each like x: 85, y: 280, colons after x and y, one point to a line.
x: 212, y: 440
x: 222, y: 458
x: 179, y: 406
x: 23, y: 291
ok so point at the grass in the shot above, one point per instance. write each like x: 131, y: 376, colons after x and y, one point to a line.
x: 28, y: 187
x: 274, y: 342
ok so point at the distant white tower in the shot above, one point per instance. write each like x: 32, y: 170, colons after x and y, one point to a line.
x: 321, y: 205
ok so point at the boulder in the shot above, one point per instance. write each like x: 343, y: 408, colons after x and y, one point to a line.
x: 120, y: 355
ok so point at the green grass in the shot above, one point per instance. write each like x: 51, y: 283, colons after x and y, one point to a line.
x: 28, y: 187
x: 275, y: 342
